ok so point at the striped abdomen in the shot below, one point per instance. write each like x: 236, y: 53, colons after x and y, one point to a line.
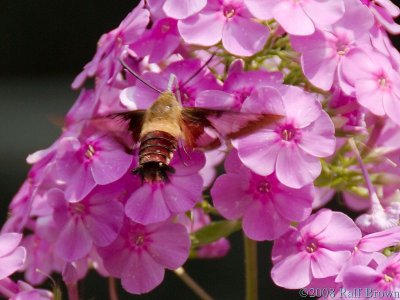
x: 155, y: 153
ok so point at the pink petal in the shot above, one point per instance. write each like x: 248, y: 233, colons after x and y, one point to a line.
x: 74, y: 241
x: 12, y: 262
x: 258, y: 151
x: 104, y: 221
x: 319, y: 60
x: 183, y: 9
x: 349, y: 236
x: 215, y: 99
x: 8, y: 242
x: 360, y: 277
x: 111, y: 164
x: 316, y: 223
x: 196, y: 29
x: 182, y: 193
x: 137, y: 97
x: 321, y: 130
x: 170, y: 245
x: 293, y: 272
x: 261, y: 9
x: 370, y: 96
x: 325, y: 263
x: 300, y: 106
x: 294, y: 204
x: 391, y: 104
x: 80, y: 184
x: 147, y: 205
x: 257, y: 103
x: 262, y: 222
x: 324, y: 12
x: 292, y: 18
x: 295, y: 168
x: 141, y: 273
x: 244, y: 37
x: 229, y: 197
x: 377, y: 241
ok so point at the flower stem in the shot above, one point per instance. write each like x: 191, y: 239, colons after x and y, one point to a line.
x: 198, y: 290
x: 73, y: 292
x: 112, y: 289
x: 251, y: 268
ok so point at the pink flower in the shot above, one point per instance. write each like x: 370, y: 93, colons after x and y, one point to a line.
x: 231, y: 21
x: 141, y: 96
x: 323, y: 52
x: 159, y: 42
x: 314, y: 249
x: 287, y: 146
x: 91, y: 160
x: 111, y: 45
x: 385, y: 11
x: 369, y: 246
x: 12, y: 256
x: 267, y: 206
x: 140, y: 254
x: 384, y: 280
x: 96, y: 219
x: 374, y: 82
x: 298, y: 17
x: 241, y: 84
x: 157, y: 201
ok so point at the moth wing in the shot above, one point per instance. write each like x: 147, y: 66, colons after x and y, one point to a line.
x: 199, y: 124
x: 131, y: 121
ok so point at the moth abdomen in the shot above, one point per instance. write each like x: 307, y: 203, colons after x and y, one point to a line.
x: 155, y: 153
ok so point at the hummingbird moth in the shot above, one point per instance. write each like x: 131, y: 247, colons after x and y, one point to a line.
x: 167, y: 124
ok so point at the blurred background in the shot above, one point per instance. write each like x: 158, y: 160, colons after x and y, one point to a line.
x: 43, y: 45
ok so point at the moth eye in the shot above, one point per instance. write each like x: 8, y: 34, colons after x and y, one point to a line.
x: 167, y: 107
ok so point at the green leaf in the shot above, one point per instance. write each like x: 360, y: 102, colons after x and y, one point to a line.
x: 214, y: 231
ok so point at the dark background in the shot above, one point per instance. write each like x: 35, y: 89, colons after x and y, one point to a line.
x: 43, y: 45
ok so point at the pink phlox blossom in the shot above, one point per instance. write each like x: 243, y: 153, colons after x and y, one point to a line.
x: 314, y: 249
x: 111, y: 46
x: 40, y: 259
x: 381, y: 42
x: 12, y: 256
x: 298, y: 17
x: 157, y: 201
x: 266, y: 206
x: 141, y: 96
x: 365, y: 252
x: 158, y: 42
x: 385, y: 11
x: 287, y: 146
x: 213, y: 160
x: 374, y: 82
x: 141, y: 254
x: 322, y: 196
x: 324, y: 52
x: 89, y: 160
x: 96, y: 220
x: 383, y: 280
x: 241, y: 83
x: 349, y: 115
x: 229, y: 20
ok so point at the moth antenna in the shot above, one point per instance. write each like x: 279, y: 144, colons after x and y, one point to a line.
x: 126, y: 67
x: 199, y: 70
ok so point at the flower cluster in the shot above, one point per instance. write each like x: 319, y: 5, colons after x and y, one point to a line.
x: 295, y: 88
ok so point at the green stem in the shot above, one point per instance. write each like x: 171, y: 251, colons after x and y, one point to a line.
x: 251, y: 268
x: 198, y: 290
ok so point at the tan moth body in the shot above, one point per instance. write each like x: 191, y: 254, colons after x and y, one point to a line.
x: 163, y: 115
